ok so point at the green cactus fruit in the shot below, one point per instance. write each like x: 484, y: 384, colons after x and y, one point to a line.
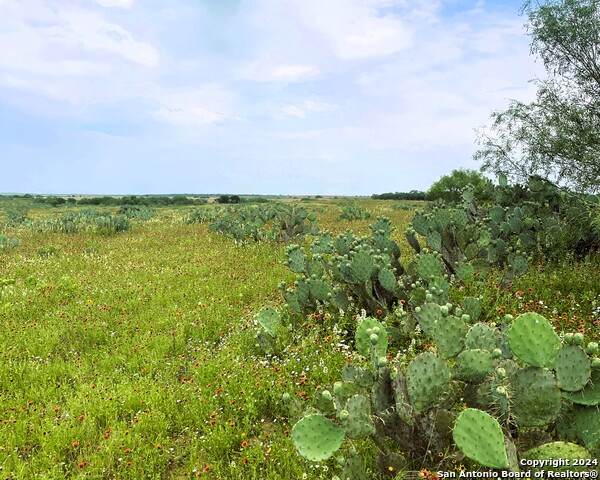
x: 296, y: 260
x: 449, y: 335
x: 434, y: 241
x: 536, y: 397
x: 569, y: 338
x: 474, y: 365
x: 472, y: 307
x: 363, y: 338
x: 578, y: 338
x: 319, y: 289
x: 481, y: 336
x: 428, y: 266
x: 269, y: 320
x: 562, y: 453
x: 359, y: 423
x: 286, y: 398
x: 387, y: 279
x: 421, y: 224
x: 362, y: 266
x: 428, y: 316
x: 590, y: 395
x: 573, y: 369
x: 533, y: 340
x: 479, y: 436
x: 317, y: 438
x: 427, y: 381
x: 591, y: 348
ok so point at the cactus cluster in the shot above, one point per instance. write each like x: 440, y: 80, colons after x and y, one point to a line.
x: 520, y: 376
x: 280, y: 222
x: 8, y: 243
x: 348, y: 270
x: 353, y: 212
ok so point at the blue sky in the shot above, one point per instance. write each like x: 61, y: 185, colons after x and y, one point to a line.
x: 334, y: 97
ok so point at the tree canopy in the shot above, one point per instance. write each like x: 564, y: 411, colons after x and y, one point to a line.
x: 557, y: 136
x: 450, y: 187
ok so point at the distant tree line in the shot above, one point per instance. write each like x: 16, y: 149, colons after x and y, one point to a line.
x: 145, y: 201
x: 412, y: 195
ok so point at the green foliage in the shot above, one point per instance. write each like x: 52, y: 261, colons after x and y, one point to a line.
x: 280, y: 221
x: 557, y: 136
x: 449, y: 188
x: 353, y: 212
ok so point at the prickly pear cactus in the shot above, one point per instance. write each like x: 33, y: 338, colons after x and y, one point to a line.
x: 562, y: 452
x: 427, y: 381
x: 533, y: 340
x: 573, y: 368
x: 479, y: 436
x: 365, y: 340
x: 316, y: 438
x: 536, y: 397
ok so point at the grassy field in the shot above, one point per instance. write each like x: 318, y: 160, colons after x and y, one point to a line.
x: 134, y: 356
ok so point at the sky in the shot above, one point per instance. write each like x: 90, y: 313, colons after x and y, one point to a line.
x: 304, y: 97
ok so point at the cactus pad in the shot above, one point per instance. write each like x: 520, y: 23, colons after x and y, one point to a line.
x: 536, y: 397
x: 428, y: 317
x: 361, y: 266
x: 573, y: 368
x: 387, y: 279
x: 421, y: 224
x: 428, y: 266
x: 296, y: 260
x: 363, y: 338
x: 532, y: 339
x: 359, y: 423
x: 474, y: 365
x: 481, y: 336
x: 558, y: 451
x: 427, y: 380
x: 269, y: 320
x: 316, y: 438
x: 319, y: 289
x: 590, y: 395
x: 472, y: 307
x: 586, y: 425
x: 479, y: 436
x: 449, y: 335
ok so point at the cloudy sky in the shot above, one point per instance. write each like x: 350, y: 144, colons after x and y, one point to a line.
x: 342, y: 97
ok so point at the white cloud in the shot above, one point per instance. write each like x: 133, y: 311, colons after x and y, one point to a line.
x: 264, y: 70
x: 353, y: 29
x: 195, y: 107
x: 116, y: 3
x: 69, y: 53
x: 293, y: 111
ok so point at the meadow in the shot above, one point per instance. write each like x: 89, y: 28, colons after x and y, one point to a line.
x: 134, y: 355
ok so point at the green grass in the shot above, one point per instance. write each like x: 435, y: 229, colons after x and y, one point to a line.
x: 134, y: 356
